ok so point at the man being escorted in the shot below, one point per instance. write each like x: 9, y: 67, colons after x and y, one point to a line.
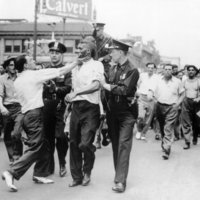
x: 190, y: 106
x: 122, y: 85
x: 169, y: 93
x: 54, y: 108
x: 29, y: 88
x: 11, y: 111
x: 85, y: 113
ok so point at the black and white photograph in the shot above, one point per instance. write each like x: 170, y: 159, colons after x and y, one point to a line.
x: 99, y: 99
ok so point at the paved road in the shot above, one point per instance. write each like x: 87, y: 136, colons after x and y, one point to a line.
x: 150, y: 177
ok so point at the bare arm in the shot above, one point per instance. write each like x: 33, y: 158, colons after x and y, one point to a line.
x: 67, y: 68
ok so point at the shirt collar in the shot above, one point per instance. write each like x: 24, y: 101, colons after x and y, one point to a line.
x: 10, y: 77
x: 123, y: 65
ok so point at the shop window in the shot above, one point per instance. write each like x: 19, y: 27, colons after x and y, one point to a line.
x: 13, y: 46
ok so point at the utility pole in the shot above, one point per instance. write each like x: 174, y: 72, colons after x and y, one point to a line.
x: 35, y: 31
x: 64, y: 20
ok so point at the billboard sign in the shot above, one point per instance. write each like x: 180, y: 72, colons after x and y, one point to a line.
x: 76, y: 9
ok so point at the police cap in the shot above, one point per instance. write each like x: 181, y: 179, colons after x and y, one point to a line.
x: 57, y: 46
x: 116, y: 44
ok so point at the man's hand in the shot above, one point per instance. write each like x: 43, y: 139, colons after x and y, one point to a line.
x: 4, y: 111
x: 197, y: 99
x: 175, y: 106
x: 69, y: 97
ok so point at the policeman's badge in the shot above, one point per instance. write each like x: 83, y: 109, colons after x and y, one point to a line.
x: 123, y: 76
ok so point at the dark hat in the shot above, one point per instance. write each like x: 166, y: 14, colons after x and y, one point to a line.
x: 194, y: 67
x: 57, y: 46
x: 116, y: 44
x: 98, y: 25
x: 7, y: 62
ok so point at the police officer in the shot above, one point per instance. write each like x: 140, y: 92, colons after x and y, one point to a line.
x: 54, y: 108
x: 122, y: 82
x: 102, y: 41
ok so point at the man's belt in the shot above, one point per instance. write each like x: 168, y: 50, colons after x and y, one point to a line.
x: 118, y: 99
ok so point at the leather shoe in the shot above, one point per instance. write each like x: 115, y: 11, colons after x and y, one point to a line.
x: 194, y: 142
x: 86, y: 179
x: 75, y: 183
x: 187, y: 146
x: 8, y: 177
x: 165, y: 155
x: 119, y: 187
x: 63, y: 171
x: 42, y: 180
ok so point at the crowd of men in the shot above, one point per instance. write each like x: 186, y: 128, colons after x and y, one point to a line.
x: 100, y: 87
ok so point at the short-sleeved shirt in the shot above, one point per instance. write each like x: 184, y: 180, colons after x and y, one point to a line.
x: 7, y: 90
x: 168, y: 92
x: 83, y: 76
x: 29, y: 87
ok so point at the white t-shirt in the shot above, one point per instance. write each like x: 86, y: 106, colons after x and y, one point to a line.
x: 84, y: 76
x: 146, y: 82
x: 29, y: 87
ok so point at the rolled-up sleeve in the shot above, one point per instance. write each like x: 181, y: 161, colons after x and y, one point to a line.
x: 1, y: 86
x: 98, y: 72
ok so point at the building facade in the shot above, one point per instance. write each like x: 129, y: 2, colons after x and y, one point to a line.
x: 17, y: 38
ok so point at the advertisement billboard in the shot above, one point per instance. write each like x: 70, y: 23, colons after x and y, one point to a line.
x: 76, y: 9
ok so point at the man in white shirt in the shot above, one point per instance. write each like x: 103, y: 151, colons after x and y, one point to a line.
x: 169, y: 94
x: 85, y: 114
x: 29, y: 88
x: 146, y: 106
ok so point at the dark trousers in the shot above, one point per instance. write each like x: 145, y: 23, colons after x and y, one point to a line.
x: 166, y: 116
x: 190, y: 121
x: 54, y: 130
x: 12, y: 126
x: 83, y: 125
x: 37, y: 149
x: 120, y: 127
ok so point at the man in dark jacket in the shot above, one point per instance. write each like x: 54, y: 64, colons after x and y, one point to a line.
x: 122, y: 82
x: 54, y: 108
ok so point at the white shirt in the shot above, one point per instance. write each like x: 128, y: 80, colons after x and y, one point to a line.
x: 168, y: 92
x: 146, y: 82
x: 29, y: 87
x: 83, y: 76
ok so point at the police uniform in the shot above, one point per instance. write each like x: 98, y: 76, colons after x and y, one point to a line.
x: 54, y: 108
x: 102, y: 52
x: 121, y: 116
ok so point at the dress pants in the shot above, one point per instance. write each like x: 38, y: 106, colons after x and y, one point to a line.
x: 190, y: 120
x: 83, y: 125
x: 54, y: 131
x: 12, y: 125
x: 120, y: 126
x: 37, y: 150
x: 166, y: 116
x: 146, y: 112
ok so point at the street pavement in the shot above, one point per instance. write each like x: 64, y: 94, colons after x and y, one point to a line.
x: 150, y: 177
